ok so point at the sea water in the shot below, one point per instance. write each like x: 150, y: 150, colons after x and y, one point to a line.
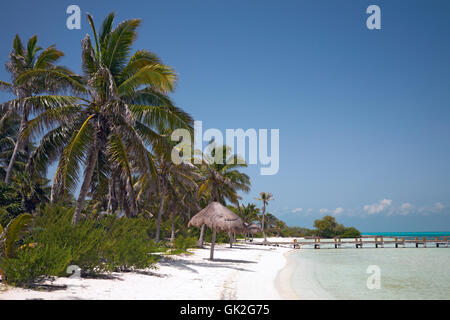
x: 348, y: 273
x: 429, y: 235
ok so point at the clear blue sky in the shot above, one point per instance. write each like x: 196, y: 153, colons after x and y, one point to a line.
x: 364, y: 116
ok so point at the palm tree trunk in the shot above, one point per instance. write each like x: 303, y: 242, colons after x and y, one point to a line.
x: 53, y: 193
x: 161, y: 211
x: 213, y: 242
x: 89, y: 171
x: 172, y: 235
x: 202, y: 230
x: 200, y: 239
x: 131, y: 196
x: 262, y: 222
x: 110, y: 195
x: 23, y: 122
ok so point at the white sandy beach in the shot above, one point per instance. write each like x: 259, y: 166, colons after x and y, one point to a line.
x: 242, y: 272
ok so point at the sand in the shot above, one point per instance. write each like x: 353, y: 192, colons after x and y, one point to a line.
x: 242, y: 272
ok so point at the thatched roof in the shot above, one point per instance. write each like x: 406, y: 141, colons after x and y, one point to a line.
x: 253, y: 228
x: 217, y: 216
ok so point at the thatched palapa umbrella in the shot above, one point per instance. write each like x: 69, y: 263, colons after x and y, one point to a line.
x: 219, y: 218
x: 253, y: 229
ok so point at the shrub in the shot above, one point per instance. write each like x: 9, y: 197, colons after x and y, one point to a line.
x: 183, y: 243
x: 107, y: 244
x: 350, y: 232
x: 127, y: 244
x: 31, y: 263
x: 54, y: 229
x: 327, y: 227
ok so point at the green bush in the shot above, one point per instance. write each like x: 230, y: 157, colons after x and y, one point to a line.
x: 184, y: 243
x: 31, y: 263
x: 350, y: 232
x: 127, y: 244
x: 53, y: 229
x: 327, y: 227
x: 103, y: 245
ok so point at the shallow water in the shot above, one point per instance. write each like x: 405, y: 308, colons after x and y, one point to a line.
x: 404, y: 273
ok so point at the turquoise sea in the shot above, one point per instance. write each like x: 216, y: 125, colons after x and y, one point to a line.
x: 430, y: 235
x: 349, y: 273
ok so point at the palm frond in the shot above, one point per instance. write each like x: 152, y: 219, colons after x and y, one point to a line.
x: 49, y: 118
x: 5, y: 86
x: 45, y: 102
x: 119, y: 44
x: 162, y: 116
x: 14, y: 231
x: 136, y: 138
x: 50, y: 146
x: 89, y: 61
x: 67, y: 172
x: 105, y: 30
x: 18, y: 46
x: 32, y: 49
x: 153, y: 75
x: 48, y: 57
x: 140, y: 59
x: 91, y: 23
x: 53, y: 78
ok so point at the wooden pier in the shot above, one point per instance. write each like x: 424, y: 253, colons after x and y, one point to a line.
x: 373, y: 242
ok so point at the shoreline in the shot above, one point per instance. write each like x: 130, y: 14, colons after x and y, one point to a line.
x: 283, y: 279
x: 243, y: 272
x: 309, y: 289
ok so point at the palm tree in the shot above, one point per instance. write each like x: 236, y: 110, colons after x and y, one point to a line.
x: 249, y: 213
x: 174, y: 180
x: 110, y: 128
x: 168, y: 180
x: 222, y: 181
x: 22, y: 63
x: 274, y: 224
x: 33, y: 190
x: 11, y: 203
x: 181, y: 200
x: 279, y: 226
x: 265, y: 198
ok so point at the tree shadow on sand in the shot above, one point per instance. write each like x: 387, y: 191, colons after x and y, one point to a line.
x: 216, y: 263
x: 150, y: 273
x: 231, y: 260
x: 101, y: 276
x: 46, y: 287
